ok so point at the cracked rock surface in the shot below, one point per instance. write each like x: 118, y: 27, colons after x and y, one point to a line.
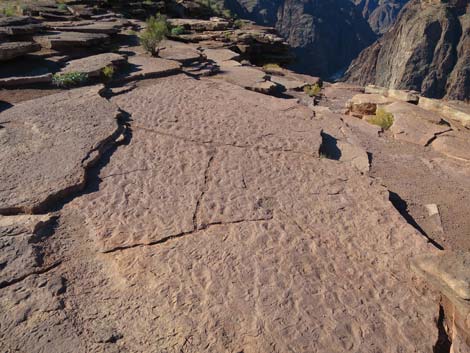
x: 47, y: 145
x: 214, y: 226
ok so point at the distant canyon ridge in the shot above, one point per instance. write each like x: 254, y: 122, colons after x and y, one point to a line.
x: 325, y: 35
x: 423, y: 45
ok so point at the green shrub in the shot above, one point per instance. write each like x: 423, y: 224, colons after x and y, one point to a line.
x: 69, y: 79
x: 62, y: 7
x: 9, y: 11
x: 108, y: 72
x: 154, y: 33
x: 271, y: 66
x: 176, y: 31
x: 381, y: 118
x: 312, y: 90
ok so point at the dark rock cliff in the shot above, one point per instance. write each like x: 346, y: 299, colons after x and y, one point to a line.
x: 381, y: 14
x: 427, y: 50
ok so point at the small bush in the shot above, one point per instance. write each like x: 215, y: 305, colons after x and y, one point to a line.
x: 62, y: 7
x: 69, y: 79
x: 9, y: 11
x: 382, y: 119
x: 108, y: 72
x: 154, y: 33
x: 176, y: 31
x: 271, y: 66
x: 312, y: 90
x: 238, y: 23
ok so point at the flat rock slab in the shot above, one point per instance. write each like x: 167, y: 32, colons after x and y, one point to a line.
x: 449, y: 269
x: 366, y: 104
x: 45, y: 152
x: 11, y: 50
x: 16, y: 81
x: 200, y: 25
x: 20, y: 238
x: 94, y: 27
x: 247, y: 77
x: 221, y: 55
x: 256, y: 242
x: 413, y: 124
x: 185, y: 54
x: 20, y: 25
x: 453, y: 110
x: 143, y: 66
x: 453, y: 144
x: 401, y: 95
x: 93, y: 65
x: 288, y: 83
x: 70, y: 40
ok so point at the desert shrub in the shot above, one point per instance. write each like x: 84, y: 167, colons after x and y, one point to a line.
x: 178, y: 30
x: 271, y: 66
x: 62, y: 6
x: 69, y: 79
x: 381, y: 118
x: 238, y: 23
x: 108, y: 72
x: 154, y: 33
x: 9, y: 11
x: 312, y: 90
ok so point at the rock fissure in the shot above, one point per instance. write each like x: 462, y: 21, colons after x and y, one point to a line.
x: 205, y: 187
x: 13, y: 281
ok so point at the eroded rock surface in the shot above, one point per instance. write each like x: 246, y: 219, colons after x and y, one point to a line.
x: 51, y: 142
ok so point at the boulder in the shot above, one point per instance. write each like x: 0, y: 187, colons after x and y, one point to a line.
x: 70, y: 40
x: 453, y: 110
x: 453, y: 144
x: 11, y: 50
x: 366, y: 104
x: 413, y: 124
x: 93, y: 65
x: 46, y: 152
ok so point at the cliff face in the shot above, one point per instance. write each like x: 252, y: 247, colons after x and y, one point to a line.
x: 325, y: 35
x: 381, y: 14
x: 427, y: 50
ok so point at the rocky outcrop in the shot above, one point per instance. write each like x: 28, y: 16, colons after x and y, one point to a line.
x: 52, y: 148
x: 427, y: 50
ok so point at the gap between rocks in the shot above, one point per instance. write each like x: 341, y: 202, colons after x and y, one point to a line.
x: 9, y: 283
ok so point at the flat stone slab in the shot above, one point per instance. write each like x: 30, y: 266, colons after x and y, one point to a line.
x: 93, y: 65
x: 449, y: 269
x: 288, y: 84
x: 413, y: 124
x: 20, y: 238
x: 182, y: 53
x: 88, y: 27
x: 221, y: 55
x: 200, y: 25
x: 45, y: 152
x: 11, y: 50
x: 19, y: 25
x: 366, y: 104
x: 401, y: 95
x: 453, y: 144
x: 143, y: 66
x: 16, y: 81
x: 221, y: 223
x: 247, y: 77
x: 70, y: 40
x: 453, y: 110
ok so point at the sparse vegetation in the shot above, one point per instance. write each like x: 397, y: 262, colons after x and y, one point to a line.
x: 271, y: 66
x: 238, y: 23
x: 157, y: 29
x: 312, y: 90
x: 108, y: 72
x: 381, y: 118
x: 70, y: 79
x: 217, y: 7
x: 9, y: 11
x: 176, y: 31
